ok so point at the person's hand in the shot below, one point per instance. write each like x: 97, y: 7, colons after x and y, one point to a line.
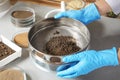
x: 85, y: 15
x: 84, y: 62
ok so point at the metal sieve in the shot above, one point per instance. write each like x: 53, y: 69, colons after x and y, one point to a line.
x: 44, y: 30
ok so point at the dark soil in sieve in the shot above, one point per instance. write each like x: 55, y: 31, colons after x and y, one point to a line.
x: 61, y: 45
x: 5, y: 51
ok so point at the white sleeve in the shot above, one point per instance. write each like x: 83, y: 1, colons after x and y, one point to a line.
x: 115, y: 5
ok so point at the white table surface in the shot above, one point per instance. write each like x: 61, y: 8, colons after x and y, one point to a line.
x: 105, y: 34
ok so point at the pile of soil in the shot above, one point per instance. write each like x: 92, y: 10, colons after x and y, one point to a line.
x: 11, y: 74
x: 61, y: 45
x: 22, y: 14
x: 5, y: 50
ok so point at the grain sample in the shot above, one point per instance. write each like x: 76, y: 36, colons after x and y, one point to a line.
x: 61, y: 45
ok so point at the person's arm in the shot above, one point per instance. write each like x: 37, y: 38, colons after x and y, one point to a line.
x: 91, y: 12
x: 119, y: 54
x: 86, y: 15
x: 103, y: 7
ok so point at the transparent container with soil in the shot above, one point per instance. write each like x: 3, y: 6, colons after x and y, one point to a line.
x: 23, y: 17
x: 51, y: 39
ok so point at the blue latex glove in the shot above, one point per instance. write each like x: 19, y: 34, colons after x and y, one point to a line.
x: 84, y: 62
x: 85, y: 15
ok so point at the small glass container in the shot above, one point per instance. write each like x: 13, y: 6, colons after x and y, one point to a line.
x: 23, y: 16
x: 15, y: 68
x: 75, y: 4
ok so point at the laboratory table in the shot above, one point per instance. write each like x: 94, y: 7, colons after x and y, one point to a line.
x: 105, y: 34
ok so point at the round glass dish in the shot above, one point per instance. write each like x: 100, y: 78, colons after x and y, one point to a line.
x: 21, y: 71
x: 23, y: 16
x: 52, y: 13
x: 75, y: 4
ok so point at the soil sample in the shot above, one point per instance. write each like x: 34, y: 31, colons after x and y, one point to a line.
x: 5, y: 50
x: 21, y: 39
x: 61, y: 45
x: 11, y: 74
x: 22, y: 14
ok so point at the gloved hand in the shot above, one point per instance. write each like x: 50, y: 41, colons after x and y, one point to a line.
x: 84, y: 62
x: 85, y: 15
